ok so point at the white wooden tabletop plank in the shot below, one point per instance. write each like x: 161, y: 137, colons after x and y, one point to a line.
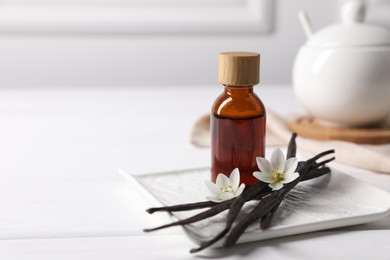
x: 60, y: 152
x: 319, y: 245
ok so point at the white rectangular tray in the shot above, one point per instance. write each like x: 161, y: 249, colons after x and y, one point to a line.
x: 330, y: 201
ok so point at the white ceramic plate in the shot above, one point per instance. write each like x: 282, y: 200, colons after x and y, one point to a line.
x: 330, y: 201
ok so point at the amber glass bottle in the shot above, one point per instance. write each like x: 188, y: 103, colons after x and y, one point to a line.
x: 237, y: 118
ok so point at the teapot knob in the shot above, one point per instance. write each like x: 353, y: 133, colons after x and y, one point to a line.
x: 353, y: 11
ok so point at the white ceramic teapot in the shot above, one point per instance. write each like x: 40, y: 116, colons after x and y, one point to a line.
x: 342, y: 73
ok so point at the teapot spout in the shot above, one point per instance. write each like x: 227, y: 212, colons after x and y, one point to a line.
x: 306, y: 24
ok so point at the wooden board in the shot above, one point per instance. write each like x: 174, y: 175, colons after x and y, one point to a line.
x: 308, y: 127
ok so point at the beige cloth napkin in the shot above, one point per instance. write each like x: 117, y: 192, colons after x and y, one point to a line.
x: 370, y: 157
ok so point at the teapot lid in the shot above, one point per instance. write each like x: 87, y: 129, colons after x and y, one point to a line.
x: 352, y: 31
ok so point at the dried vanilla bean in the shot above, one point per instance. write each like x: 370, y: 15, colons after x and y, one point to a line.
x: 291, y: 152
x: 240, y: 201
x: 236, y: 206
x: 314, y: 173
x: 184, y: 207
x: 265, y: 221
x: 207, y: 204
x: 292, y: 146
x: 203, y: 215
x: 256, y: 190
x: 270, y: 201
x: 265, y: 205
x: 264, y: 210
x: 252, y: 192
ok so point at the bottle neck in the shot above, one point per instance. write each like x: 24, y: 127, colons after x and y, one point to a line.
x: 238, y: 90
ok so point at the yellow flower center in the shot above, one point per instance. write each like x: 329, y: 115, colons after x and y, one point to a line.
x: 228, y: 188
x: 277, y: 175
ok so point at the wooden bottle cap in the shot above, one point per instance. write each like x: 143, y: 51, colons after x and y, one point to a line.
x: 239, y: 68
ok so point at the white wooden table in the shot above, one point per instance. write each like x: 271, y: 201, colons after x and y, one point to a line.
x: 61, y: 196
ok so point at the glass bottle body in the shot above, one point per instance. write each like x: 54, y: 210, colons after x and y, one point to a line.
x: 237, y: 133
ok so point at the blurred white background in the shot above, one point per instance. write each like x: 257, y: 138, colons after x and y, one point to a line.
x: 54, y: 43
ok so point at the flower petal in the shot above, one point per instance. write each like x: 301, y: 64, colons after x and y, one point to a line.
x: 226, y: 196
x: 264, y: 165
x: 289, y: 177
x: 291, y: 165
x: 214, y: 199
x: 264, y: 177
x: 222, y: 181
x: 235, y: 178
x: 240, y: 190
x: 277, y: 160
x: 276, y: 185
x: 212, y: 187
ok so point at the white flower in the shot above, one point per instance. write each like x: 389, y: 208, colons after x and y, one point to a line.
x: 277, y: 172
x: 225, y: 188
